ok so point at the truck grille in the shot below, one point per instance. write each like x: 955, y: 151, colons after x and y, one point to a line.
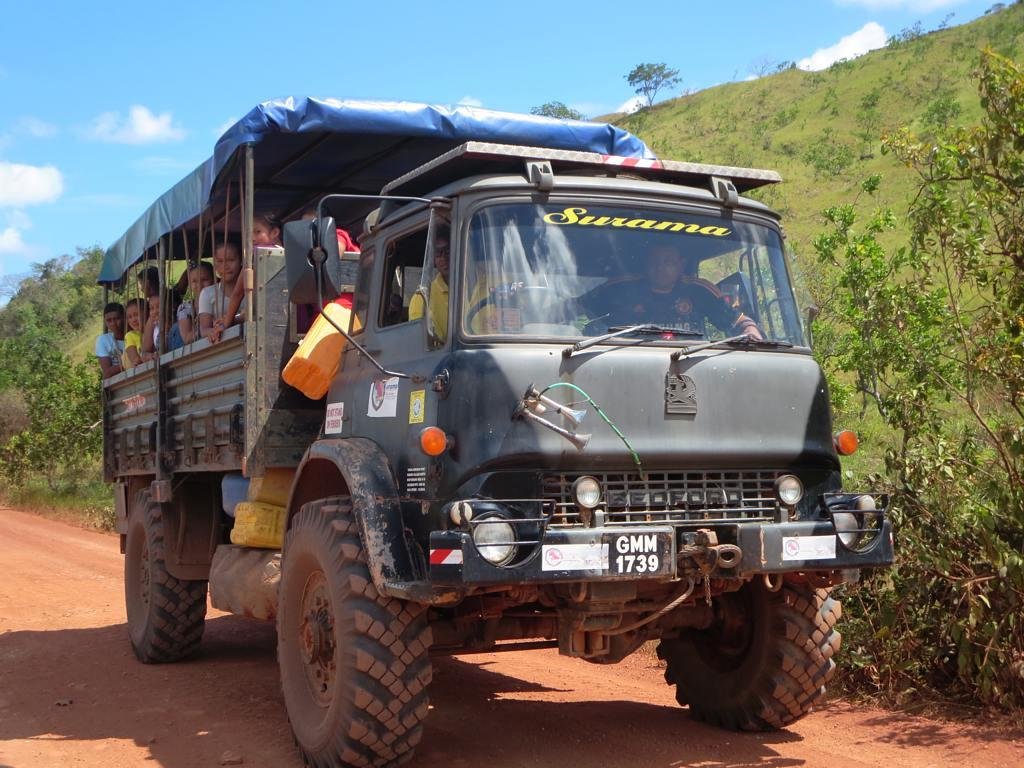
x: 669, y: 497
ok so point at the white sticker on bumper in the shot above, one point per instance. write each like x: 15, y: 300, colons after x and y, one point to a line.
x: 574, y: 557
x: 808, y: 547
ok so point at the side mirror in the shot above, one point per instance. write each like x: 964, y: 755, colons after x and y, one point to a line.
x: 812, y: 314
x: 311, y: 247
x: 737, y: 287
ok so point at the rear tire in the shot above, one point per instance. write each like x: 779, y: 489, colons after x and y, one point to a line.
x: 763, y: 664
x: 166, y: 615
x: 354, y: 663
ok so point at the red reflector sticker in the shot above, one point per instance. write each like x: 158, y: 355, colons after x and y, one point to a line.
x: 446, y: 557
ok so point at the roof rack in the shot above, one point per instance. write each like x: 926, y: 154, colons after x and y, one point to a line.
x: 477, y: 157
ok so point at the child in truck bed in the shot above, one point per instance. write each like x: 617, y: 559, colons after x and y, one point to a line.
x: 135, y: 319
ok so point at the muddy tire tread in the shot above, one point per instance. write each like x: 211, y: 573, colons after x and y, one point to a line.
x: 386, y: 643
x: 177, y: 607
x: 803, y: 642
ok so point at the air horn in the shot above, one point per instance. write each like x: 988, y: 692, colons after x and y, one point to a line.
x: 533, y: 402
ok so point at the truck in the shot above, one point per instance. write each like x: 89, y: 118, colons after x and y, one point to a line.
x: 575, y: 407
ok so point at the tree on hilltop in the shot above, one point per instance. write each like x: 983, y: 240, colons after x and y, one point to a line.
x: 647, y: 79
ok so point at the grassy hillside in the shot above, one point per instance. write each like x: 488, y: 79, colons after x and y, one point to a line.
x: 821, y: 130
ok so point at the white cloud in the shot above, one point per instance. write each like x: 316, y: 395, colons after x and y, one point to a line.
x: 11, y: 242
x: 631, y: 105
x: 867, y: 38
x: 35, y: 127
x: 22, y: 185
x: 923, y: 6
x: 470, y: 101
x: 140, y: 127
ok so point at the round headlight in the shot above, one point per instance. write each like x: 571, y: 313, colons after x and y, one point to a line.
x: 858, y: 530
x: 789, y: 489
x: 587, y: 491
x: 495, y: 540
x: 847, y: 528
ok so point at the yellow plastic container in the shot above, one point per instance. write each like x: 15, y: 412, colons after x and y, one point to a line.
x: 258, y: 525
x: 316, y: 361
x: 273, y: 487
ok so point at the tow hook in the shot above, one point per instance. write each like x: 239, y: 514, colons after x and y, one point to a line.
x: 708, y: 556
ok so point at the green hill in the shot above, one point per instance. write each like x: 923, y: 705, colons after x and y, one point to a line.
x: 822, y: 130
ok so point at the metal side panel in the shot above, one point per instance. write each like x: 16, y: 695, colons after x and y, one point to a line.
x: 131, y: 409
x: 205, y: 403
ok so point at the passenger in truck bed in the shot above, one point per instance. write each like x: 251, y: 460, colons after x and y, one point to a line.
x: 199, y: 277
x: 135, y: 319
x: 215, y: 300
x: 265, y: 232
x: 149, y: 287
x: 110, y: 345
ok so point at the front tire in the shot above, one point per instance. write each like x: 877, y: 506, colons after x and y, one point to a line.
x: 166, y: 615
x: 764, y: 662
x: 354, y: 663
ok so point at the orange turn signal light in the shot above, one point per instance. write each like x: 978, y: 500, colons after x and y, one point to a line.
x: 433, y: 441
x: 846, y: 442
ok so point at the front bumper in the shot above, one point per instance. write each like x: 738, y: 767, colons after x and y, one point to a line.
x: 591, y: 554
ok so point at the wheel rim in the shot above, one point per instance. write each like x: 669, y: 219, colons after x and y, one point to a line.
x: 726, y: 643
x: 316, y: 639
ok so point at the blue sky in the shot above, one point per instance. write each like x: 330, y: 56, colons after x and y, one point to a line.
x: 107, y: 104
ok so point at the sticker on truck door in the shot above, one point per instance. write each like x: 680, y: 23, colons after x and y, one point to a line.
x: 383, y: 398
x: 416, y: 400
x: 335, y: 415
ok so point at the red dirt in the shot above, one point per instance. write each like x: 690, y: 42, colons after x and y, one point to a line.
x: 71, y: 693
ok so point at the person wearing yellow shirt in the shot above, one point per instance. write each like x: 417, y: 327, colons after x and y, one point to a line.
x: 437, y: 310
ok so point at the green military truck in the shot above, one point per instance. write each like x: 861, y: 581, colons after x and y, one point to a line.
x: 576, y: 409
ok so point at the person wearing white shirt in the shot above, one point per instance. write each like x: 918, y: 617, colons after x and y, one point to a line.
x: 110, y: 345
x: 214, y: 300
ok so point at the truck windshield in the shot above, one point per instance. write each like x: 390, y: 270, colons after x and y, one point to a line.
x: 577, y: 269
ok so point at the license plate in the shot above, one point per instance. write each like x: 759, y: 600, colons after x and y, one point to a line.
x: 640, y: 554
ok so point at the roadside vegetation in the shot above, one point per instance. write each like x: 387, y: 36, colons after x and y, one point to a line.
x: 929, y: 338
x: 903, y: 204
x: 50, y: 415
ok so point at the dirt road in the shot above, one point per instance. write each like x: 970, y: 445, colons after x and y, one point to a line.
x: 71, y: 693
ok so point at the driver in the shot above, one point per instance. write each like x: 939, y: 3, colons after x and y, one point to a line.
x: 671, y: 295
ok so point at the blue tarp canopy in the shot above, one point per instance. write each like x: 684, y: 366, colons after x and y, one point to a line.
x: 308, y: 147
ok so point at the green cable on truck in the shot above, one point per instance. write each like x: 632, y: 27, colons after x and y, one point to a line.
x: 573, y: 406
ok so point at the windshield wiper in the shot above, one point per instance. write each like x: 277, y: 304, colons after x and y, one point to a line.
x: 616, y: 331
x: 742, y: 341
